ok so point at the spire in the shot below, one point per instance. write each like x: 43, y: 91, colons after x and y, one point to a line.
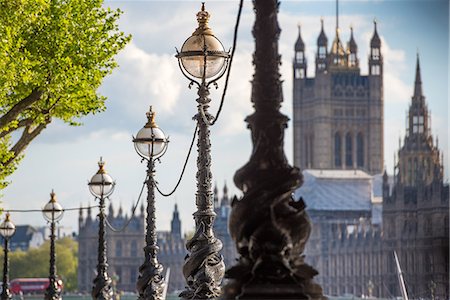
x: 337, y: 15
x: 120, y: 210
x: 142, y: 209
x: 418, y: 82
x: 216, y: 195
x: 352, y: 47
x: 110, y: 210
x: 322, y: 40
x: 299, y: 44
x: 175, y: 224
x: 225, y: 190
x: 375, y: 42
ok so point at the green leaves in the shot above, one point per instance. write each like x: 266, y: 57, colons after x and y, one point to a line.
x: 35, y: 262
x: 63, y: 49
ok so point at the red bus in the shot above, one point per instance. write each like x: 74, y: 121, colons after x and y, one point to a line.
x: 30, y: 285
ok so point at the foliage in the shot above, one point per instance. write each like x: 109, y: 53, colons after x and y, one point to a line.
x: 35, y: 262
x: 54, y: 55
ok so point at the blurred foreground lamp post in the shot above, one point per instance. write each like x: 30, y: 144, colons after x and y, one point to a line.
x: 150, y: 143
x: 203, y: 61
x: 7, y: 230
x: 101, y: 186
x: 53, y: 212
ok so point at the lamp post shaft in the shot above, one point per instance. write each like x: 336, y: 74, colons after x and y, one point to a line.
x: 53, y: 291
x: 6, y: 295
x: 269, y: 228
x: 203, y: 268
x: 150, y: 284
x: 102, y: 289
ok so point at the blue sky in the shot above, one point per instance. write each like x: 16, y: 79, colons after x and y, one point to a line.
x: 64, y: 158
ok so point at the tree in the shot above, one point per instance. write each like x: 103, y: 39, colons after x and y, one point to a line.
x: 34, y: 263
x: 54, y: 55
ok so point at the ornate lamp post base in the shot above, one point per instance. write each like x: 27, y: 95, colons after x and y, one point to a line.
x: 102, y: 289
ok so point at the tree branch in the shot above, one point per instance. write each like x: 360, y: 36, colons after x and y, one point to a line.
x: 28, y: 135
x: 12, y: 114
x: 20, y: 124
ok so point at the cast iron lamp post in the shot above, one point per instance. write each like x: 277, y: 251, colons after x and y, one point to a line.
x: 203, y: 61
x: 150, y: 143
x: 53, y: 212
x: 7, y: 230
x: 101, y: 186
x: 269, y: 228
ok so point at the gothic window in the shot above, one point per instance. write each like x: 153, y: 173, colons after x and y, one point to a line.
x: 119, y: 248
x: 299, y: 57
x: 416, y: 170
x: 299, y: 73
x: 306, y: 152
x: 352, y: 59
x: 322, y: 52
x: 337, y: 150
x: 428, y: 226
x: 359, y: 150
x: 418, y: 124
x: 376, y: 53
x: 133, y: 250
x: 133, y: 274
x: 375, y: 70
x: 348, y: 150
x: 410, y: 174
x: 311, y: 151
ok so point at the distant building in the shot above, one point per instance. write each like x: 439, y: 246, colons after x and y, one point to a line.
x: 222, y: 208
x: 416, y: 212
x: 354, y: 233
x: 125, y: 250
x: 345, y: 242
x: 24, y: 238
x: 338, y: 114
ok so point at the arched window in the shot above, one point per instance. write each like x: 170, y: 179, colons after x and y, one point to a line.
x: 133, y: 250
x: 119, y: 248
x: 337, y: 150
x: 348, y: 150
x: 359, y: 150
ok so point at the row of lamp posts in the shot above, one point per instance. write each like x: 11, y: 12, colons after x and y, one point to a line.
x: 203, y: 61
x: 53, y: 212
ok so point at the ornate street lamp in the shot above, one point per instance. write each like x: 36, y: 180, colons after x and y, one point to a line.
x: 53, y: 212
x: 203, y: 61
x: 7, y: 230
x: 101, y: 186
x: 150, y: 143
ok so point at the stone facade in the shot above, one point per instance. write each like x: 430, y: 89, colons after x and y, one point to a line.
x: 345, y: 245
x: 222, y: 208
x: 338, y: 114
x: 125, y: 250
x: 352, y: 244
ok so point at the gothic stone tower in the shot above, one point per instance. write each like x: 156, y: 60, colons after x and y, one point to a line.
x: 415, y: 214
x: 338, y: 114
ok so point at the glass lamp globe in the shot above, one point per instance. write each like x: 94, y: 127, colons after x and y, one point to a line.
x: 7, y: 228
x: 150, y: 141
x: 101, y: 184
x: 53, y: 211
x: 202, y: 55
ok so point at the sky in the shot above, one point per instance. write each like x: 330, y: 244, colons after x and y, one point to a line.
x: 64, y: 158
